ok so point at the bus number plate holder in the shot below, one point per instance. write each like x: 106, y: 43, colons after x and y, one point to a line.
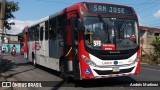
x: 115, y: 69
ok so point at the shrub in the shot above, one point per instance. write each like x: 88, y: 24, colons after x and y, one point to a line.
x: 156, y: 55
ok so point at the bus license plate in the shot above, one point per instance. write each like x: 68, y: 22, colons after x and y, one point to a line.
x: 115, y: 69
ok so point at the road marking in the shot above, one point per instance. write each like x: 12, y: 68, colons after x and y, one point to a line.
x: 150, y: 69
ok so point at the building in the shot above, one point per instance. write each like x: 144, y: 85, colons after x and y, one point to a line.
x: 10, y: 40
x: 147, y: 34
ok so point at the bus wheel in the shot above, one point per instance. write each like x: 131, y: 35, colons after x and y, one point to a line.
x: 25, y: 56
x: 33, y: 60
x: 62, y: 73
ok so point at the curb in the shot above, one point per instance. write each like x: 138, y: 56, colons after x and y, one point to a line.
x: 143, y: 63
x: 150, y: 64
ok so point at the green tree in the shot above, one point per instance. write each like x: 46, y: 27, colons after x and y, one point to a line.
x: 156, y: 44
x: 20, y: 36
x: 11, y: 7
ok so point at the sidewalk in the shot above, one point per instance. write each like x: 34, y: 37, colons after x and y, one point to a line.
x: 5, y: 59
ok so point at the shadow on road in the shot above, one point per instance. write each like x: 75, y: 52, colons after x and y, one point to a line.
x: 48, y: 70
x: 9, y: 67
x: 107, y: 82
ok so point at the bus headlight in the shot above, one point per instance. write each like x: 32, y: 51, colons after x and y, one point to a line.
x: 131, y: 61
x: 88, y: 61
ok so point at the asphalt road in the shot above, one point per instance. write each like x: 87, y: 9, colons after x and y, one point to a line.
x: 20, y: 69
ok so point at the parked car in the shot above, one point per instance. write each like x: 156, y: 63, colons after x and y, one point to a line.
x: 4, y: 49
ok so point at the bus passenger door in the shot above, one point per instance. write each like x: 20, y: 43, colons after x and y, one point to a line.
x: 42, y: 44
x: 74, y: 44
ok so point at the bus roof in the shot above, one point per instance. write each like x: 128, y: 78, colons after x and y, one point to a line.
x: 62, y: 11
x: 45, y: 18
x: 55, y: 14
x: 106, y: 3
x: 39, y: 21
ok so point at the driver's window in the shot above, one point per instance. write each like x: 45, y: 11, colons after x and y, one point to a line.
x: 128, y: 30
x: 88, y: 32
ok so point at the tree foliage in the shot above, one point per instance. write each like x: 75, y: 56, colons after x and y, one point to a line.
x: 156, y: 44
x: 11, y: 7
x: 21, y: 34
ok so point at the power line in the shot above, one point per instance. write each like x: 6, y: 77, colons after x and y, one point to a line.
x: 151, y: 5
x: 158, y: 24
x: 152, y: 21
x: 54, y: 1
x: 145, y: 3
x: 146, y: 9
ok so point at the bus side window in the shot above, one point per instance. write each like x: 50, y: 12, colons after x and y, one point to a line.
x: 52, y: 29
x: 59, y: 33
x: 31, y: 34
x: 30, y: 37
x: 46, y: 30
x: 36, y: 34
x: 52, y: 34
x: 41, y: 33
x: 46, y: 35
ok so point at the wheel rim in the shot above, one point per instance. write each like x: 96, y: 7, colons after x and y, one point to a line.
x: 34, y: 61
x: 25, y: 55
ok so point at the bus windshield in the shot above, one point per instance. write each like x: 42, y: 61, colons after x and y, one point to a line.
x: 103, y: 33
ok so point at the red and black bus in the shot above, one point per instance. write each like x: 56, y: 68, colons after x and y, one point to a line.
x: 86, y: 41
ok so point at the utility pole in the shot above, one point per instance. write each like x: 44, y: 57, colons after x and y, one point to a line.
x: 2, y: 16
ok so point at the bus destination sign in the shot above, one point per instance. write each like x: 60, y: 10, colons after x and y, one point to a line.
x: 109, y: 9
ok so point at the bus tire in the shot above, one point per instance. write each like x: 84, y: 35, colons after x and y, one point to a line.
x: 33, y: 60
x: 62, y: 73
x: 25, y: 56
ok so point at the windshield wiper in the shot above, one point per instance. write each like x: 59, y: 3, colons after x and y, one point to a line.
x: 123, y: 25
x: 105, y: 25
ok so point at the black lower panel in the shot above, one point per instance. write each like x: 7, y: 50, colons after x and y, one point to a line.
x: 55, y: 51
x: 112, y: 55
x: 111, y: 72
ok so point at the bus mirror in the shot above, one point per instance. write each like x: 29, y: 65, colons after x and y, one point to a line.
x: 76, y: 23
x: 79, y: 24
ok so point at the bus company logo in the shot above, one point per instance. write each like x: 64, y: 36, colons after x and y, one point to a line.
x: 106, y: 63
x: 6, y: 84
x: 36, y: 46
x: 115, y: 62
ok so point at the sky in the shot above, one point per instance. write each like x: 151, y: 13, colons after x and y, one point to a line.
x: 148, y: 11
